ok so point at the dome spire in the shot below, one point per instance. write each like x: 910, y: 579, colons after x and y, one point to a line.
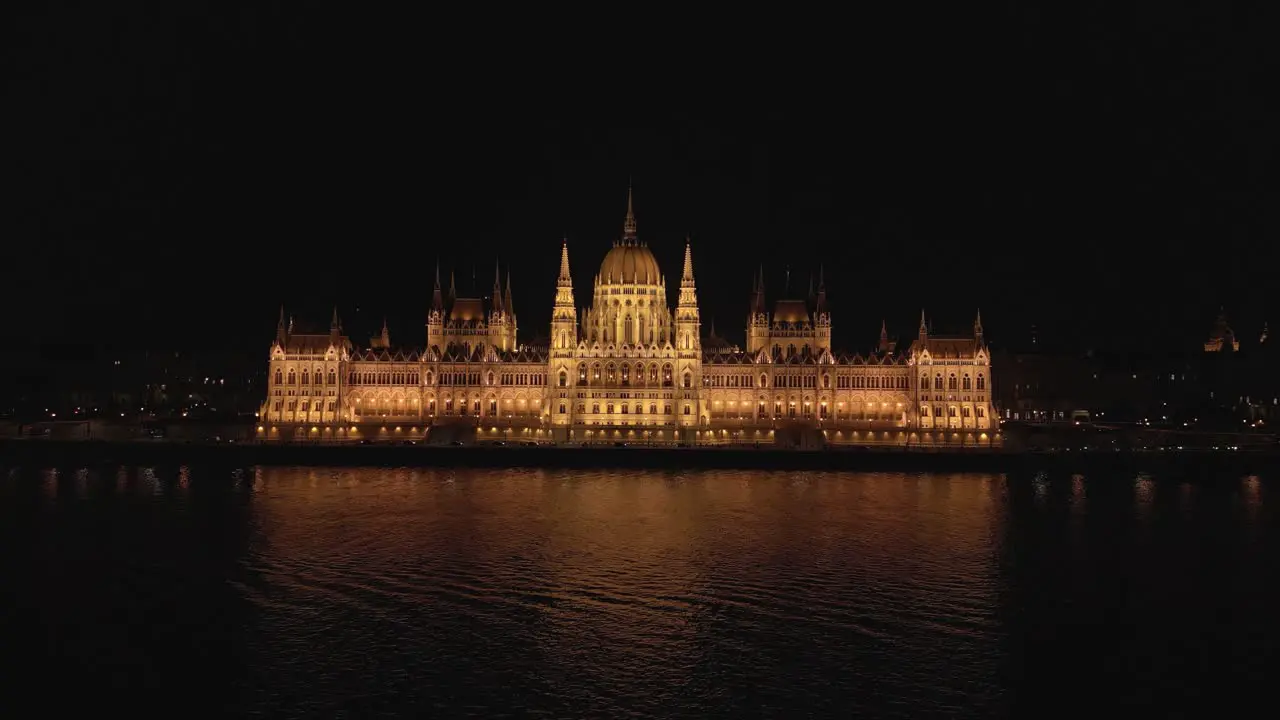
x: 629, y: 223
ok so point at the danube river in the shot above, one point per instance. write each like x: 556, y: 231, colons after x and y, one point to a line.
x: 606, y: 594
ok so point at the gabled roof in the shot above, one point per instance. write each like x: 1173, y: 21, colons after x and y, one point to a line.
x: 312, y: 343
x: 947, y: 347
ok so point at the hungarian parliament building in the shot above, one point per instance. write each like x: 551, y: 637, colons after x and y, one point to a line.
x: 629, y: 369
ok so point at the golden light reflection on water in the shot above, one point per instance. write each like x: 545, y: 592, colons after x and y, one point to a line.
x: 1144, y: 496
x: 646, y: 583
x: 640, y: 556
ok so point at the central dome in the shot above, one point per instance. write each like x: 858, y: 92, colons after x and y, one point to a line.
x: 629, y: 264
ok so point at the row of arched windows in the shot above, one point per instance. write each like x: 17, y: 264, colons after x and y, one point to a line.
x: 625, y: 374
x: 383, y: 378
x: 306, y: 376
x: 625, y: 409
x: 965, y: 383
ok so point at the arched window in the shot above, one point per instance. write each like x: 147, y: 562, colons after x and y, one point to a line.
x: 826, y: 382
x: 293, y: 379
x: 924, y: 382
x: 430, y: 378
x: 666, y: 374
x: 610, y: 373
x: 966, y: 383
x: 951, y: 382
x: 306, y: 377
x: 490, y: 377
x: 333, y: 378
x: 764, y: 380
x: 688, y: 382
x: 564, y: 380
x: 582, y: 372
x: 279, y: 377
x: 937, y: 381
x: 982, y: 382
x: 595, y: 408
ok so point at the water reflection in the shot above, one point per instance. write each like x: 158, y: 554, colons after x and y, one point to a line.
x: 323, y: 592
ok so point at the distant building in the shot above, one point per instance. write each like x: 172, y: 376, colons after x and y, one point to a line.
x: 632, y: 368
x: 1221, y: 336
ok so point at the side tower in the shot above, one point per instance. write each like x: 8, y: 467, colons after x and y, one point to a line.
x: 564, y: 339
x: 689, y: 343
x: 435, y: 318
x: 758, y: 318
x: 501, y: 323
x: 821, y: 316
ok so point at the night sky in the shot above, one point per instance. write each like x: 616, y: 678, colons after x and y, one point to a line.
x: 181, y: 173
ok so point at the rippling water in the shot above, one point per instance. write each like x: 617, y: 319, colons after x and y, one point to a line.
x: 526, y: 593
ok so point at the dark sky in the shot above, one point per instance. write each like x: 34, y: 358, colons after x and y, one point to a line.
x: 182, y: 172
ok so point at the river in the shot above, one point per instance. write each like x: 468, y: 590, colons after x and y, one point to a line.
x: 311, y: 592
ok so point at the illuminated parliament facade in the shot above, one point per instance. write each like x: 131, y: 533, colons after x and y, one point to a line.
x: 629, y: 369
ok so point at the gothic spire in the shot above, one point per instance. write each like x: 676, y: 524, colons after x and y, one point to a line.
x: 629, y: 223
x: 924, y: 326
x: 506, y: 298
x: 820, y: 300
x: 496, y: 304
x: 453, y: 288
x: 437, y: 297
x: 282, y: 331
x: 687, y: 276
x: 565, y: 278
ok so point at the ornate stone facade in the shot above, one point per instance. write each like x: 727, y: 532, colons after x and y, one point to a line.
x: 630, y: 369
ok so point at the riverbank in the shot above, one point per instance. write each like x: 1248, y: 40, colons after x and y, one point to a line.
x: 159, y: 452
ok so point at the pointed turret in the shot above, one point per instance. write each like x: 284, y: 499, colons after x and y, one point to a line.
x: 335, y: 328
x: 629, y: 223
x: 386, y: 334
x: 564, y: 280
x: 496, y: 307
x: 453, y: 288
x: 820, y: 299
x: 977, y: 327
x: 506, y: 297
x: 282, y: 331
x: 437, y: 296
x: 884, y: 346
x: 924, y: 327
x: 686, y: 277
